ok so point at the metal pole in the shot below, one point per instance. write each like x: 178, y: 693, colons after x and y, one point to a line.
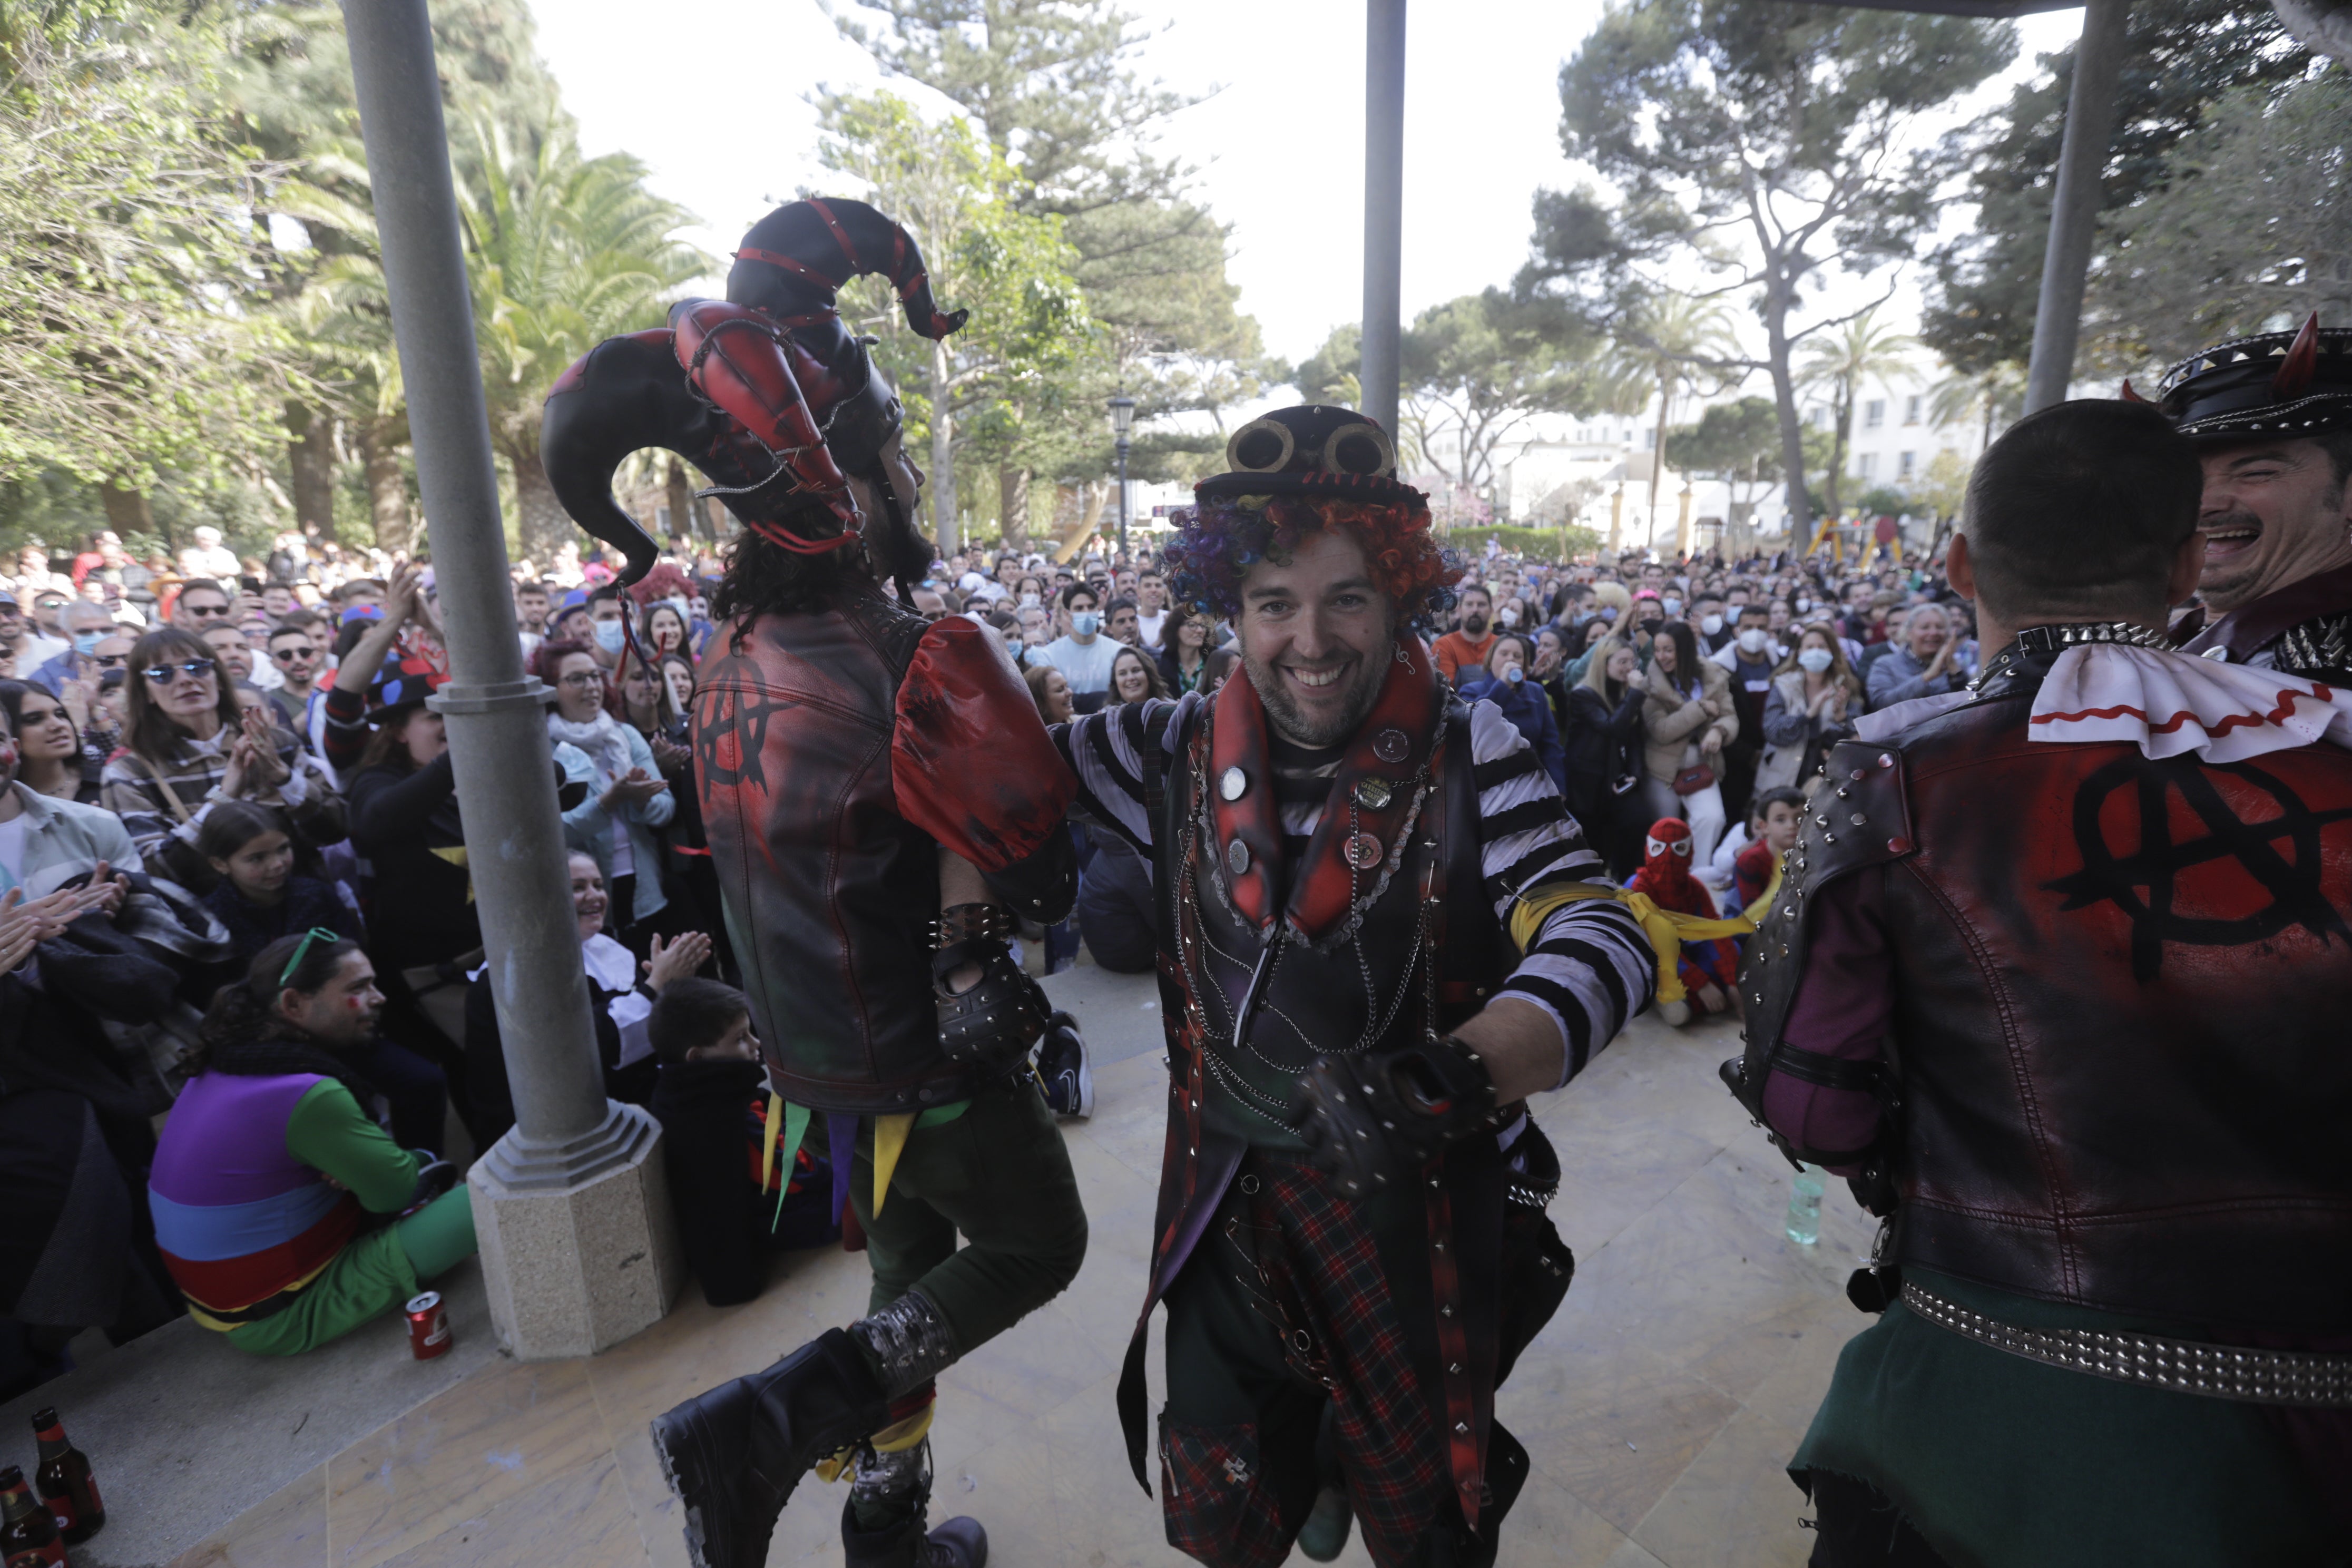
x: 565, y: 1130
x: 1383, y: 207
x: 2074, y: 206
x: 1122, y: 495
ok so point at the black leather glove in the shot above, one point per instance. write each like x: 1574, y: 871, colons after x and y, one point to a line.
x: 994, y: 1023
x: 1372, y: 1120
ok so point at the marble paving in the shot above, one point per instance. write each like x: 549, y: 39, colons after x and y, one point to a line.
x: 1659, y: 1406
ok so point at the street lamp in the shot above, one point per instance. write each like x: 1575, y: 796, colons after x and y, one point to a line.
x: 1122, y: 420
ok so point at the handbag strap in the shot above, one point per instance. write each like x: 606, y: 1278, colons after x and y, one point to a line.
x: 164, y: 785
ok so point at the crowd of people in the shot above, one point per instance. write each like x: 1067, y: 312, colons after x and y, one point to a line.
x: 234, y: 889
x: 1707, y: 690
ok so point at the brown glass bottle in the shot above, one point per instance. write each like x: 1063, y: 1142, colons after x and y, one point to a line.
x: 28, y: 1536
x: 65, y: 1482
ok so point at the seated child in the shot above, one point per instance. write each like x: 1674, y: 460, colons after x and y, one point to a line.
x: 1709, y: 969
x: 707, y: 1097
x: 1779, y: 815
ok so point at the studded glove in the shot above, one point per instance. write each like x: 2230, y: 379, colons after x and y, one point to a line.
x: 992, y: 1025
x: 1373, y: 1120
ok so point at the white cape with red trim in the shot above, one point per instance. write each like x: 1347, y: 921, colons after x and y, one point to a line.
x: 2168, y: 703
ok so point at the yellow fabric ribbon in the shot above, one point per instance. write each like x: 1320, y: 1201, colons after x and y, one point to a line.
x: 894, y: 1439
x: 889, y: 1141
x: 1666, y: 929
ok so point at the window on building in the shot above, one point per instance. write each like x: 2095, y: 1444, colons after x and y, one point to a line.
x: 1865, y: 465
x: 1911, y: 408
x: 1649, y: 439
x: 1821, y: 416
x: 1904, y: 465
x: 1874, y: 413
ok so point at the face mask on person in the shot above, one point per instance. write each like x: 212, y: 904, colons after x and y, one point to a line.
x: 85, y: 643
x: 1752, y: 640
x: 1804, y: 604
x: 1510, y: 615
x: 1029, y: 601
x: 1814, y: 660
x: 1673, y: 607
x: 1609, y: 614
x: 1084, y: 623
x: 609, y: 634
x: 684, y: 614
x: 1710, y: 625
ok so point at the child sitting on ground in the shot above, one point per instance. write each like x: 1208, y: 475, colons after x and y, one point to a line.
x: 713, y: 1112
x: 1779, y: 815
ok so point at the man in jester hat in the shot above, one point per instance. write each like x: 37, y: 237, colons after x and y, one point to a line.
x: 882, y: 802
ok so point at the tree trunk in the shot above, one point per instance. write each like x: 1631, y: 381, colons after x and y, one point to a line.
x: 1658, y: 451
x: 387, y: 485
x: 678, y: 494
x: 1012, y: 494
x: 1091, y: 497
x: 126, y: 510
x: 944, y: 512
x: 1841, y: 412
x: 540, y: 521
x: 311, y: 455
x: 1792, y: 435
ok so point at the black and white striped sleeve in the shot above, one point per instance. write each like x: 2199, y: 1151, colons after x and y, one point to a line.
x: 1109, y: 753
x: 1590, y: 965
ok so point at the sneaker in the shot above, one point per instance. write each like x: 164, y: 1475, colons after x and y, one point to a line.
x: 1067, y: 1071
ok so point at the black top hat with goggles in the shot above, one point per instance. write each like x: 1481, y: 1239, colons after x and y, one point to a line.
x: 1311, y: 450
x: 2271, y: 386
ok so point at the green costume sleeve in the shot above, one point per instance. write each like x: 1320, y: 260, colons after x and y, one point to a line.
x: 330, y: 1132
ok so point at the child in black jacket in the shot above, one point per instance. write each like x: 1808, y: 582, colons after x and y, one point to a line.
x: 709, y: 1101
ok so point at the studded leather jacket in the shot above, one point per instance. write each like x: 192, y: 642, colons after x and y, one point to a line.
x: 836, y: 754
x: 2117, y: 1073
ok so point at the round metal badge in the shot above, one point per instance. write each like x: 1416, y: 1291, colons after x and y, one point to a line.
x: 1392, y: 746
x: 1373, y: 794
x: 1234, y: 784
x: 1237, y: 857
x: 1363, y: 851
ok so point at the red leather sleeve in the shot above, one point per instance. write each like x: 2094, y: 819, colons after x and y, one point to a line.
x: 970, y: 760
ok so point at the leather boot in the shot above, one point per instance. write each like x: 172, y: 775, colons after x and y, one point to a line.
x: 960, y: 1543
x: 734, y: 1455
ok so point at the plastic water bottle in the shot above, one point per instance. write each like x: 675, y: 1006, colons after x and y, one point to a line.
x: 1805, y: 1206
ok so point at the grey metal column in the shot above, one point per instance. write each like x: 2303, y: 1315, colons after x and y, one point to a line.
x: 566, y: 1132
x: 1383, y: 205
x: 2074, y: 206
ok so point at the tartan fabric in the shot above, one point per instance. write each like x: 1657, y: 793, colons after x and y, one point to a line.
x: 1220, y: 1508
x: 1325, y: 1291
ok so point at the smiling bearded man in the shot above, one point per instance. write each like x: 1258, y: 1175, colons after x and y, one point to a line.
x: 1375, y: 941
x: 2271, y: 417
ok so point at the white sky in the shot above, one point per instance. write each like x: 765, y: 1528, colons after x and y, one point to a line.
x: 712, y: 97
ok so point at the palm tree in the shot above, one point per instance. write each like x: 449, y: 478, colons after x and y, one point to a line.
x: 1857, y: 352
x: 1998, y: 394
x: 1677, y: 342
x: 563, y: 252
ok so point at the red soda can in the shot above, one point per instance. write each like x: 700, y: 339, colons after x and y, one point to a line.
x: 429, y: 1326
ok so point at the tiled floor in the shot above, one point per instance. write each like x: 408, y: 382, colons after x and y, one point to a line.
x: 1659, y: 1406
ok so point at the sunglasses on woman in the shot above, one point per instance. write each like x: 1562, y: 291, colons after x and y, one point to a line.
x: 160, y: 674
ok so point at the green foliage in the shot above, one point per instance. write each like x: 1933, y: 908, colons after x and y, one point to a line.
x: 1544, y: 543
x: 131, y: 333
x: 2180, y: 57
x: 2199, y: 261
x: 1943, y: 487
x: 1841, y: 361
x: 1759, y: 144
x: 1733, y: 441
x: 1478, y: 367
x: 1883, y: 501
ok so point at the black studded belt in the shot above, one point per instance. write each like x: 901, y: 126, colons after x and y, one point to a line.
x: 2304, y: 1378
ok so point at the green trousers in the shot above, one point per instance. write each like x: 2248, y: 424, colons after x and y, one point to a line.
x: 999, y: 1174
x: 374, y: 1275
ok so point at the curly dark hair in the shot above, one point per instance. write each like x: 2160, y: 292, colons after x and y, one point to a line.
x: 764, y: 578
x: 1219, y: 541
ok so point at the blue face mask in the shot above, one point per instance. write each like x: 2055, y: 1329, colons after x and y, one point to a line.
x: 609, y: 636
x: 85, y: 643
x: 1084, y: 623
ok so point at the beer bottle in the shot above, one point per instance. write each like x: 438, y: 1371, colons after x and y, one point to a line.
x: 28, y: 1536
x: 65, y: 1481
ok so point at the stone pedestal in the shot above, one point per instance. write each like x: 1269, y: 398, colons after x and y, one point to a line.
x: 572, y: 1270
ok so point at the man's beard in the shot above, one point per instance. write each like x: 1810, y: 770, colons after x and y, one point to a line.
x: 1473, y: 625
x: 1294, y: 725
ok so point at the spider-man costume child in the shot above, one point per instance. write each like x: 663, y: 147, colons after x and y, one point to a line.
x: 1708, y: 968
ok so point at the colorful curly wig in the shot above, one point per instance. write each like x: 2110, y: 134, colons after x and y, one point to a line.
x: 1218, y: 540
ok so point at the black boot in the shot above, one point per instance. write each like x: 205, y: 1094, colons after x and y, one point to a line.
x: 734, y: 1455
x: 959, y: 1544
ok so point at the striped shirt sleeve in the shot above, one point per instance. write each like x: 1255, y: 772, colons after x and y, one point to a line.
x: 1590, y: 966
x: 1108, y: 752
